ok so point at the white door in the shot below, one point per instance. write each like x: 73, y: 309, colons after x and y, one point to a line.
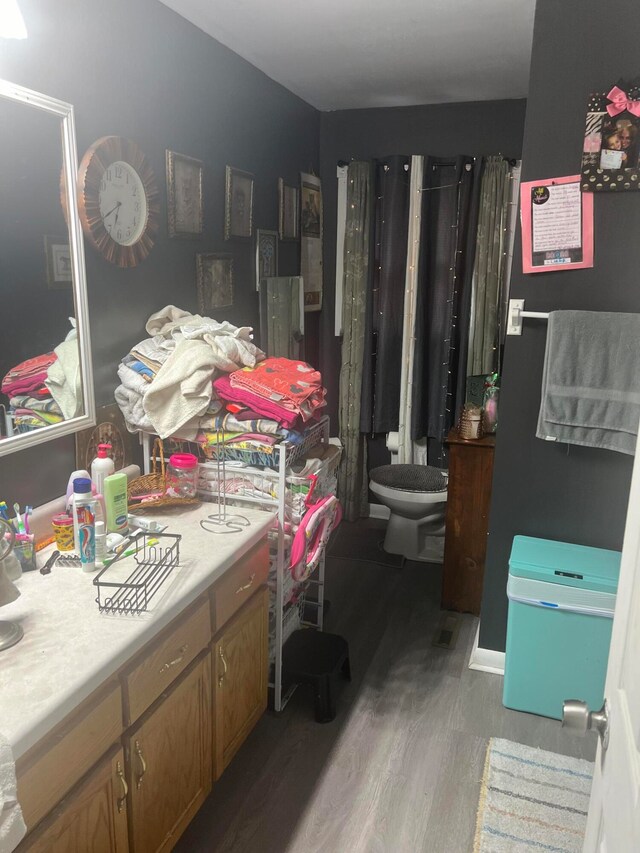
x: 613, y: 825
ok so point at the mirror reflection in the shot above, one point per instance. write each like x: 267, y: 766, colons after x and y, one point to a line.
x: 40, y: 372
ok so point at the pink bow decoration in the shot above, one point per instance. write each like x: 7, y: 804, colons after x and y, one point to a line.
x: 620, y: 102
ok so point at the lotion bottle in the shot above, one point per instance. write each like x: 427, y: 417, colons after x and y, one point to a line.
x: 101, y: 467
x: 115, y: 499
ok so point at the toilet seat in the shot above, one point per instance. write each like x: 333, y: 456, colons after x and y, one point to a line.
x: 409, y: 478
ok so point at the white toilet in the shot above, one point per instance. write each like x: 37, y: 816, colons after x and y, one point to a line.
x: 417, y: 498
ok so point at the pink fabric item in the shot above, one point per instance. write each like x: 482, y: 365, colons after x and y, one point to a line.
x: 28, y: 375
x: 295, y: 385
x: 259, y: 405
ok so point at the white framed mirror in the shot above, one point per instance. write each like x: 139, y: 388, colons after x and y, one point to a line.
x: 46, y: 377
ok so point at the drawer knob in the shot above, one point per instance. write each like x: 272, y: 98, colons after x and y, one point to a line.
x: 224, y: 664
x: 125, y: 788
x: 246, y: 585
x: 143, y: 764
x: 181, y: 653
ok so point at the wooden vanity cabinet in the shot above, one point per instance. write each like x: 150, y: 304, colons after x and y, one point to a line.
x: 240, y: 664
x: 136, y: 760
x: 168, y: 758
x: 93, y: 817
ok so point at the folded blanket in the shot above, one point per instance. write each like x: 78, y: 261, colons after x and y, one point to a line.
x: 259, y: 405
x: 591, y: 380
x: 27, y: 375
x: 229, y: 423
x: 232, y: 346
x: 26, y: 401
x: 293, y: 384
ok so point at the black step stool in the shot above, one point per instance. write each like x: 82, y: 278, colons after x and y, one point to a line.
x: 316, y: 658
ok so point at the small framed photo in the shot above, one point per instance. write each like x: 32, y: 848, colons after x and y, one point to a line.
x: 288, y: 211
x: 214, y: 278
x: 184, y: 195
x: 238, y: 204
x: 611, y: 148
x: 266, y: 255
x: 58, y: 260
x: 311, y: 210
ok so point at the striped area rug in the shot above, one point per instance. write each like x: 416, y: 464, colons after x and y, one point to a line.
x: 532, y: 800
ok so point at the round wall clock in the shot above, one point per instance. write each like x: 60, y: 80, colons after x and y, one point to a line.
x: 118, y: 200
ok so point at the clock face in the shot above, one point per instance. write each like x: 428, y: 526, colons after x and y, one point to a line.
x: 123, y: 203
x: 118, y: 200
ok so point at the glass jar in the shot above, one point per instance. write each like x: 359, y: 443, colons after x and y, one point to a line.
x: 182, y: 475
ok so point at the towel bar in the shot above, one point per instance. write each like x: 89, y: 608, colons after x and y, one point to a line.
x: 517, y: 312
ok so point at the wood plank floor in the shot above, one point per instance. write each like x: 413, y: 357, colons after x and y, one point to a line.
x: 399, y: 769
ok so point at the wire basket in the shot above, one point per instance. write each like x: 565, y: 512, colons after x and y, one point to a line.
x: 154, y: 483
x: 153, y: 565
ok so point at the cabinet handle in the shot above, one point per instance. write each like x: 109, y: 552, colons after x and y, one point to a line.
x: 181, y: 653
x: 125, y: 788
x: 224, y: 664
x: 143, y: 764
x: 247, y: 585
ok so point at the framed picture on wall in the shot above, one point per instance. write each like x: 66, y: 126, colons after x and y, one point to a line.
x: 184, y: 195
x: 58, y: 262
x: 238, y: 204
x: 611, y: 148
x: 266, y: 255
x: 214, y: 280
x: 288, y: 211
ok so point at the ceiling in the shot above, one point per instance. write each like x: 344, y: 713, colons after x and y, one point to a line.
x: 343, y: 54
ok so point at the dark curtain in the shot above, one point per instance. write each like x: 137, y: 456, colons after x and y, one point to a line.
x: 383, y: 337
x: 449, y: 224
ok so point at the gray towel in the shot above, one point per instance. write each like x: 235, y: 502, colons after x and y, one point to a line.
x: 591, y: 380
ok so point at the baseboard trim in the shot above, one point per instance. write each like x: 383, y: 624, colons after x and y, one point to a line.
x: 379, y: 511
x: 486, y: 660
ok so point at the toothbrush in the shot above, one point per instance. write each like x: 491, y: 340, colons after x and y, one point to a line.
x: 27, y: 512
x: 18, y: 519
x: 4, y: 512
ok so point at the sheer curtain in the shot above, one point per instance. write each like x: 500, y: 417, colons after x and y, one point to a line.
x: 352, y: 474
x: 490, y: 266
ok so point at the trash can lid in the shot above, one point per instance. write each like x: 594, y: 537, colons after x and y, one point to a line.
x: 565, y: 563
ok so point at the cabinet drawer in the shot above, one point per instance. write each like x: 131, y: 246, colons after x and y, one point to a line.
x: 157, y: 667
x: 48, y: 773
x: 238, y: 584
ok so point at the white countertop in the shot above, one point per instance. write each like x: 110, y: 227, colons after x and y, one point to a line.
x: 69, y: 648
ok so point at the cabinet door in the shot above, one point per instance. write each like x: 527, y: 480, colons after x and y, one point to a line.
x: 169, y: 761
x: 240, y: 678
x: 92, y: 819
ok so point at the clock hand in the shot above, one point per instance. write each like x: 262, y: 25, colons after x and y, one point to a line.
x: 119, y: 204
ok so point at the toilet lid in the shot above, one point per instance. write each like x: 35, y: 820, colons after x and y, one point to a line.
x: 410, y: 478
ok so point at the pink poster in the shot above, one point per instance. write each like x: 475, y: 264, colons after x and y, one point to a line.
x: 557, y: 225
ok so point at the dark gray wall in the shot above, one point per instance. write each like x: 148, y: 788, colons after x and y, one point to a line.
x: 141, y: 71
x: 572, y: 494
x: 482, y: 127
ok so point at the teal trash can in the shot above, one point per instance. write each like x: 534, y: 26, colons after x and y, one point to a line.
x: 561, y: 603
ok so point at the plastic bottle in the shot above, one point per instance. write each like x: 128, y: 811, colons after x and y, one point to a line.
x: 101, y: 467
x: 101, y: 543
x: 84, y: 519
x: 115, y: 499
